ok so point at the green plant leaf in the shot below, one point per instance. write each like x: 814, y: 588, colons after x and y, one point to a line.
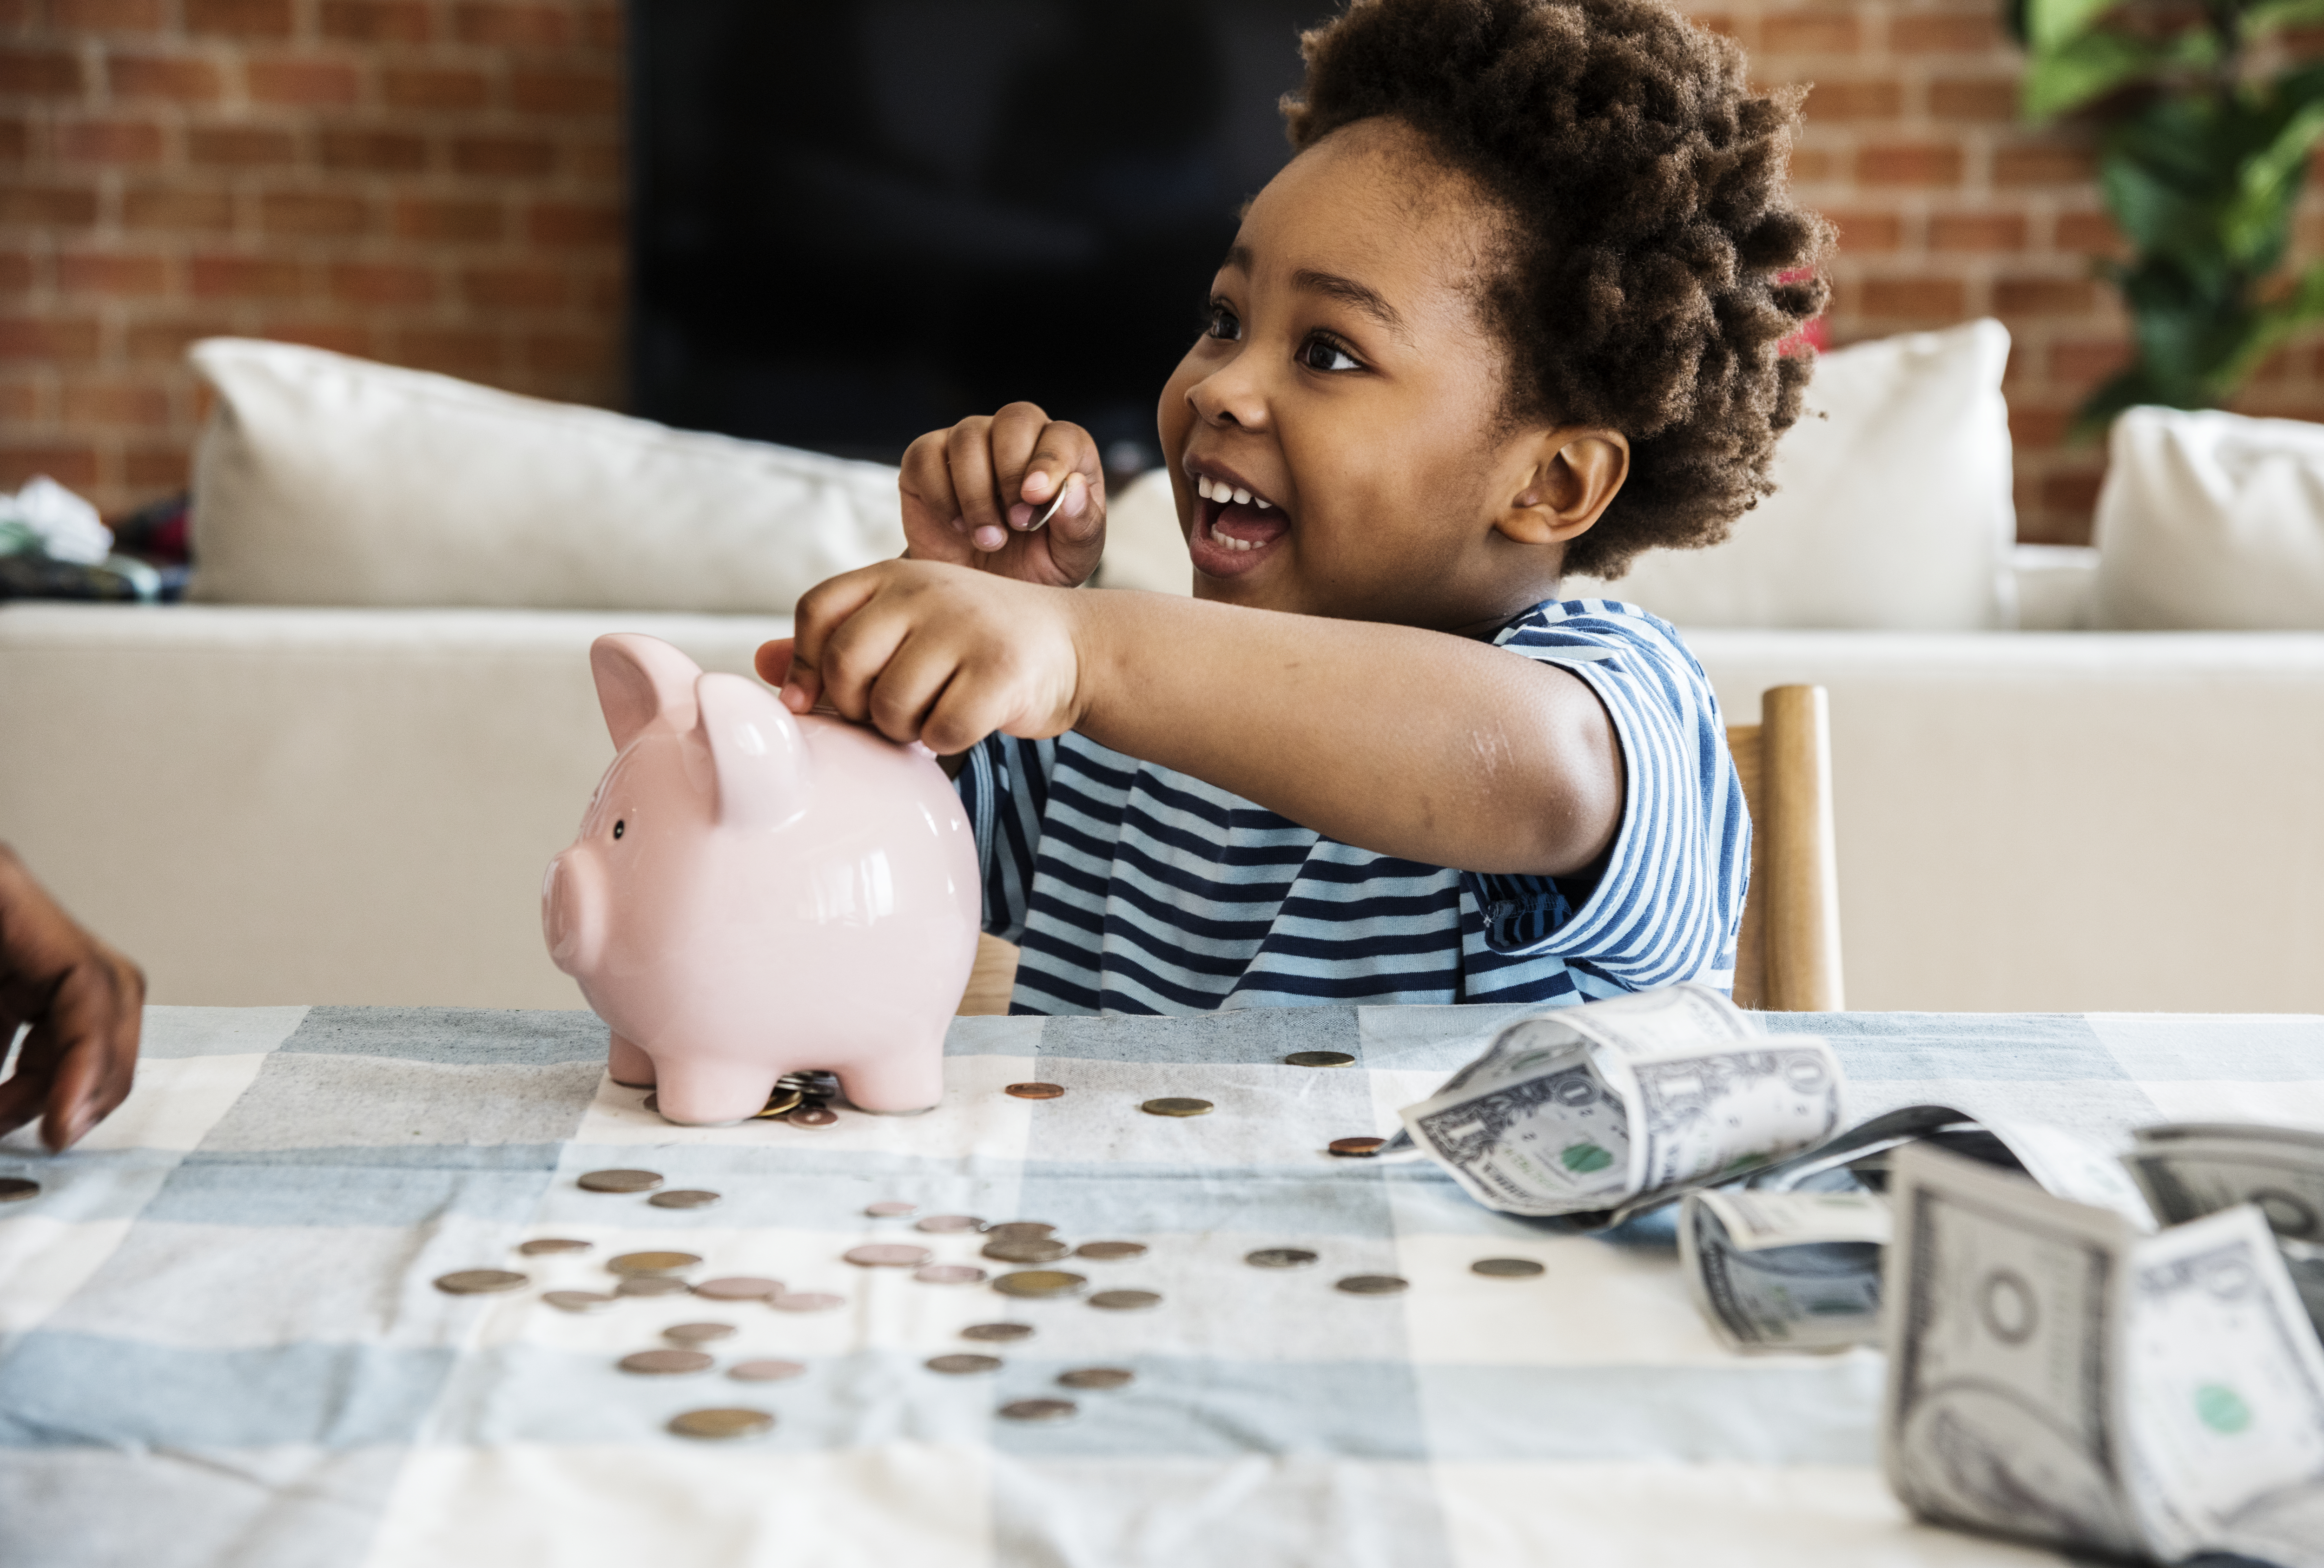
x: 2051, y: 22
x: 2061, y: 79
x: 2274, y: 13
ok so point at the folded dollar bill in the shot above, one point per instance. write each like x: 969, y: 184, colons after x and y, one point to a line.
x: 1785, y: 1271
x: 2058, y: 1377
x: 1602, y: 1111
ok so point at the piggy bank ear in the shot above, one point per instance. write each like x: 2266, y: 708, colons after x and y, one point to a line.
x: 756, y: 751
x: 641, y: 680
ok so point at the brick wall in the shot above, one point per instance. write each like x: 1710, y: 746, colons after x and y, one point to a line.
x: 439, y: 183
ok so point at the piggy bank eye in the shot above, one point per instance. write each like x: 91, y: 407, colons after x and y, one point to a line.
x: 618, y: 828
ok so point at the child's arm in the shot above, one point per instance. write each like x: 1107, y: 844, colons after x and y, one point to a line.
x: 1418, y: 745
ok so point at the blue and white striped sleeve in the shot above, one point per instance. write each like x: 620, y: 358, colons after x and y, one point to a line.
x: 1667, y: 905
x: 1005, y: 786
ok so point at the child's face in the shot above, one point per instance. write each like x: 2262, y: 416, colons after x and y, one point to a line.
x: 1347, y: 381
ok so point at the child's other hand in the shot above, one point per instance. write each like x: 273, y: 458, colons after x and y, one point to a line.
x: 933, y: 653
x: 85, y: 1002
x: 972, y: 493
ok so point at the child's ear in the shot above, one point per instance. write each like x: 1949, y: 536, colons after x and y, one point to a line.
x: 1567, y: 479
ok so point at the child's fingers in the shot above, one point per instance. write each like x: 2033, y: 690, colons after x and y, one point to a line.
x: 95, y: 1018
x: 854, y: 655
x: 934, y: 529
x: 822, y: 610
x: 916, y: 675
x: 968, y: 456
x: 1016, y: 441
x: 964, y: 713
x: 1076, y: 534
x: 773, y: 660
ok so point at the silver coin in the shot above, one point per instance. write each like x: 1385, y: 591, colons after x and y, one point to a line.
x: 635, y: 1263
x: 18, y: 1189
x: 650, y: 1285
x: 997, y: 1332
x: 947, y: 1224
x: 807, y: 1301
x: 886, y: 1255
x: 1279, y: 1258
x: 764, y: 1371
x: 1319, y: 1059
x: 1505, y: 1267
x: 1032, y: 1249
x: 1039, y: 1282
x: 667, y: 1363
x: 685, y: 1198
x: 1098, y: 1377
x: 1172, y: 1105
x: 1373, y: 1285
x: 1021, y: 1231
x: 949, y: 1274
x: 698, y: 1334
x: 1126, y: 1300
x: 890, y: 1209
x: 961, y: 1364
x: 740, y: 1287
x: 1039, y: 1410
x: 577, y: 1300
x: 1110, y: 1251
x: 540, y: 1245
x: 722, y: 1425
x: 621, y: 1181
x: 480, y: 1281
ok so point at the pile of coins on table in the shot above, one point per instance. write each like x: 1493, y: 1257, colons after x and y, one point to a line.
x: 800, y: 1099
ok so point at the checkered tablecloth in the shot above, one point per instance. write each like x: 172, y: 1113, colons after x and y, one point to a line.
x: 219, y: 1343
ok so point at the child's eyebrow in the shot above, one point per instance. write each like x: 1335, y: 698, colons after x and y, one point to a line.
x: 1362, y: 296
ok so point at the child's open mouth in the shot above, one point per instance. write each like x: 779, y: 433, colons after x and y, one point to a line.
x: 1234, y: 528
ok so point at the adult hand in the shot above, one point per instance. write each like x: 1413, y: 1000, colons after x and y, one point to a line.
x: 971, y: 493
x: 85, y: 1002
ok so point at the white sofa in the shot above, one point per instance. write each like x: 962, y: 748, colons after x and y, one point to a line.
x: 275, y: 803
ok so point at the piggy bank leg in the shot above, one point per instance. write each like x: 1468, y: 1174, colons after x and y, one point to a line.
x: 630, y: 1067
x: 698, y: 1092
x: 901, y: 1082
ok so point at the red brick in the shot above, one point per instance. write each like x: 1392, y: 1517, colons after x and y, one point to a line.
x: 433, y: 89
x: 51, y: 73
x: 386, y: 150
x: 116, y: 404
x: 449, y: 220
x: 1975, y: 100
x: 1945, y: 32
x: 2090, y: 234
x: 15, y: 141
x: 164, y: 342
x: 1977, y: 233
x: 381, y: 283
x: 565, y: 92
x: 2043, y: 164
x: 48, y: 206
x: 602, y: 160
x: 503, y: 155
x: 178, y: 78
x: 302, y: 81
x: 16, y: 273
x: 1934, y: 301
x: 172, y: 207
x: 1808, y: 32
x: 1922, y: 164
x: 108, y: 15
x: 48, y: 337
x: 313, y: 212
x: 2033, y: 429
x: 1868, y: 234
x: 606, y: 294
x: 109, y: 141
x: 1847, y: 103
x: 567, y: 223
x: 601, y: 27
x: 2043, y: 296
x: 572, y: 353
x: 240, y: 146
x: 2075, y: 491
x: 2087, y: 362
x: 1810, y: 164
x: 539, y: 26
x: 455, y: 351
x: 161, y: 468
x: 20, y: 403
x: 240, y: 18
x: 72, y: 463
x: 244, y: 278
x: 115, y: 276
x: 515, y: 288
x: 377, y: 21
x: 338, y: 337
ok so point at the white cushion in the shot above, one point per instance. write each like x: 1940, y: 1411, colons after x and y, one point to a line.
x: 2211, y: 520
x: 1891, y: 510
x: 1143, y: 547
x: 325, y: 480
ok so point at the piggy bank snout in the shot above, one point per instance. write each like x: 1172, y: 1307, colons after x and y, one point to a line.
x: 573, y: 912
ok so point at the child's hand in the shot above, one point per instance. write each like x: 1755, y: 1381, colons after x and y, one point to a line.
x: 85, y: 1002
x: 972, y: 493
x: 933, y: 653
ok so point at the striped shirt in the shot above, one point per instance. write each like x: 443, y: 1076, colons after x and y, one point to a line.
x: 1135, y: 888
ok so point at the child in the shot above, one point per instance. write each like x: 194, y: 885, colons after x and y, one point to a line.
x: 1512, y: 311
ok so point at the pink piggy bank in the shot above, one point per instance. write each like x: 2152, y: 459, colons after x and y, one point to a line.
x: 754, y: 893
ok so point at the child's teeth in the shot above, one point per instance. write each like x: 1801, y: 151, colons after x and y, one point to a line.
x: 1202, y: 486
x: 1242, y: 497
x: 1261, y: 502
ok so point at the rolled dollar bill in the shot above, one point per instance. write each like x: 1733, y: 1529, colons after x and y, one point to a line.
x: 1785, y: 1271
x: 2190, y: 1169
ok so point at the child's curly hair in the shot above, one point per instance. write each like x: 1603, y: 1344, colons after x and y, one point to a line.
x: 1651, y: 229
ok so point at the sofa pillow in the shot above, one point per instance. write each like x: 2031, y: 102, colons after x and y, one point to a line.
x: 325, y: 480
x: 2211, y: 520
x: 1892, y: 507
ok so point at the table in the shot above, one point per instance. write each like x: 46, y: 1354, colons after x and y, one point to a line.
x: 219, y: 1343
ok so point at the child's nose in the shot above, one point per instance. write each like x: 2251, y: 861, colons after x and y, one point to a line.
x: 1230, y: 396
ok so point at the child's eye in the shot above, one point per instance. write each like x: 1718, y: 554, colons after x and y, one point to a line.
x: 1222, y: 323
x: 1322, y: 353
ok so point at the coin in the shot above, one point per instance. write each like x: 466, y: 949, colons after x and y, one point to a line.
x: 1035, y: 1091
x: 650, y: 1285
x: 1021, y: 1231
x: 1039, y: 1410
x: 1372, y: 1285
x: 764, y: 1371
x: 542, y: 1244
x: 1110, y: 1251
x: 1505, y: 1267
x: 1279, y: 1258
x: 722, y: 1425
x: 1319, y: 1059
x: 812, y: 1116
x: 739, y: 1287
x: 997, y: 1332
x: 1040, y: 1282
x: 479, y: 1281
x: 1356, y: 1148
x: 1098, y: 1377
x: 1126, y: 1300
x: 886, y: 1255
x: 653, y: 1263
x: 949, y: 1274
x: 889, y: 1209
x: 1032, y: 1249
x: 18, y: 1190
x: 781, y: 1103
x: 577, y: 1300
x: 807, y: 1301
x: 664, y: 1364
x: 947, y: 1224
x: 683, y: 1198
x: 1176, y: 1108
x: 621, y: 1181
x: 960, y: 1365
x: 698, y: 1334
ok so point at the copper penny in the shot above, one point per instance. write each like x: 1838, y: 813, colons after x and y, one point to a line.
x: 479, y: 1281
x: 947, y: 1224
x: 997, y: 1332
x: 739, y: 1287
x: 722, y: 1425
x: 1505, y: 1267
x: 949, y: 1274
x: 812, y: 1116
x: 1039, y: 1410
x: 540, y: 1245
x: 1173, y: 1106
x: 1040, y: 1282
x: 667, y: 1363
x: 764, y: 1371
x: 1373, y: 1285
x: 1126, y: 1300
x: 650, y: 1285
x: 886, y: 1255
x: 1021, y: 1231
x: 653, y: 1263
x: 18, y: 1189
x: 1356, y: 1148
x: 1098, y: 1377
x: 698, y: 1334
x: 961, y: 1364
x: 890, y: 1209
x: 1110, y: 1251
x: 1035, y: 1091
x: 621, y: 1181
x: 1279, y: 1258
x: 1031, y: 1250
x: 683, y: 1198
x: 1319, y: 1059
